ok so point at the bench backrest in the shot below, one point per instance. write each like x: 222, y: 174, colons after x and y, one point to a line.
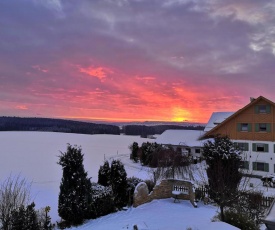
x: 182, y: 189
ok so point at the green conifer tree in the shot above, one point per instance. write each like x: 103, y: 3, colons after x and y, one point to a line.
x: 104, y: 174
x: 75, y: 188
x: 119, y: 183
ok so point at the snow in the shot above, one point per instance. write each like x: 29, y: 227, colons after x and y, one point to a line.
x: 181, y: 137
x: 34, y: 156
x: 216, y: 118
x: 162, y: 215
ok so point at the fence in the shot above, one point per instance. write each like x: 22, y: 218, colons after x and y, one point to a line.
x: 202, y: 192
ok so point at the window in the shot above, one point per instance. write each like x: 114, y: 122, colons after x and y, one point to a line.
x: 244, y: 165
x: 242, y: 146
x: 263, y: 127
x: 197, y: 150
x: 260, y: 166
x: 262, y: 109
x: 244, y: 127
x: 260, y: 147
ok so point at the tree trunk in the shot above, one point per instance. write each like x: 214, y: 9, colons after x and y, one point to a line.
x: 222, y: 213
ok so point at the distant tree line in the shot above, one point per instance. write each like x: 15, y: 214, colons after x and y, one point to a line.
x: 55, y: 125
x: 144, y: 131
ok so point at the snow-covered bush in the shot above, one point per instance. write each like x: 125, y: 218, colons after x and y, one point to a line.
x: 223, y: 161
x: 102, y: 200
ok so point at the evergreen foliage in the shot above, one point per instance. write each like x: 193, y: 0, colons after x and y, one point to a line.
x: 25, y: 218
x: 134, y: 151
x: 102, y: 200
x: 119, y: 183
x: 223, y: 160
x: 75, y: 188
x: 104, y: 174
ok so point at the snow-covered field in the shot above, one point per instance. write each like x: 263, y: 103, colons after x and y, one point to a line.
x: 34, y: 156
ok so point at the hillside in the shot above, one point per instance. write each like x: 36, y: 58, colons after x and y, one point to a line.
x: 55, y: 125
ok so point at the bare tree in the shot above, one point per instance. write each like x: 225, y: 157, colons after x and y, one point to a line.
x: 14, y: 193
x: 173, y: 165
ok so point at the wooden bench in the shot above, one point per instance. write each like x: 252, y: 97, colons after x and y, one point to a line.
x: 178, y: 190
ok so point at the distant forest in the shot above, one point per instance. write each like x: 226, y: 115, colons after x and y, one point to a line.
x: 70, y: 126
x: 144, y: 130
x: 55, y: 125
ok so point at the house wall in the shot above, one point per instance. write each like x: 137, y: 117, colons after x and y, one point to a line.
x: 248, y: 115
x: 254, y: 157
x: 252, y: 116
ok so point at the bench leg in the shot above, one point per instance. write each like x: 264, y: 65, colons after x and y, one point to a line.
x: 176, y: 199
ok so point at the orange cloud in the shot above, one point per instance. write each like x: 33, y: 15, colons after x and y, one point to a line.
x: 21, y: 107
x: 98, y: 72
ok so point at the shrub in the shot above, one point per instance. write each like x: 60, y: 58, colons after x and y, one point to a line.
x: 102, y: 200
x: 239, y: 220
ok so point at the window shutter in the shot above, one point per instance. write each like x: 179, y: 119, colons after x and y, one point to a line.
x: 254, y: 165
x: 266, y: 147
x: 246, y: 147
x: 268, y: 108
x: 254, y: 147
x: 239, y: 127
x: 268, y: 127
x: 249, y: 127
x: 266, y: 167
x: 256, y: 127
x: 256, y: 109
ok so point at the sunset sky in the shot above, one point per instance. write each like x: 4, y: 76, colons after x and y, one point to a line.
x: 134, y: 60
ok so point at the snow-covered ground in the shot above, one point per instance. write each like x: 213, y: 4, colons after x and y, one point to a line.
x: 160, y: 215
x: 34, y: 156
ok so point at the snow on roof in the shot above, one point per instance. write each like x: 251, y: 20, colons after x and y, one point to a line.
x: 215, y: 119
x: 181, y: 137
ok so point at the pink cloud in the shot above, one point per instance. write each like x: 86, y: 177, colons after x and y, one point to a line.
x: 21, y: 107
x: 97, y: 72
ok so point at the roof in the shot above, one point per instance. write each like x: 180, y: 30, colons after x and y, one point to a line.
x: 181, y: 137
x: 252, y: 103
x: 215, y: 119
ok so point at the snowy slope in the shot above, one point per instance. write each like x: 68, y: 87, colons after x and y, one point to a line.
x: 162, y: 215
